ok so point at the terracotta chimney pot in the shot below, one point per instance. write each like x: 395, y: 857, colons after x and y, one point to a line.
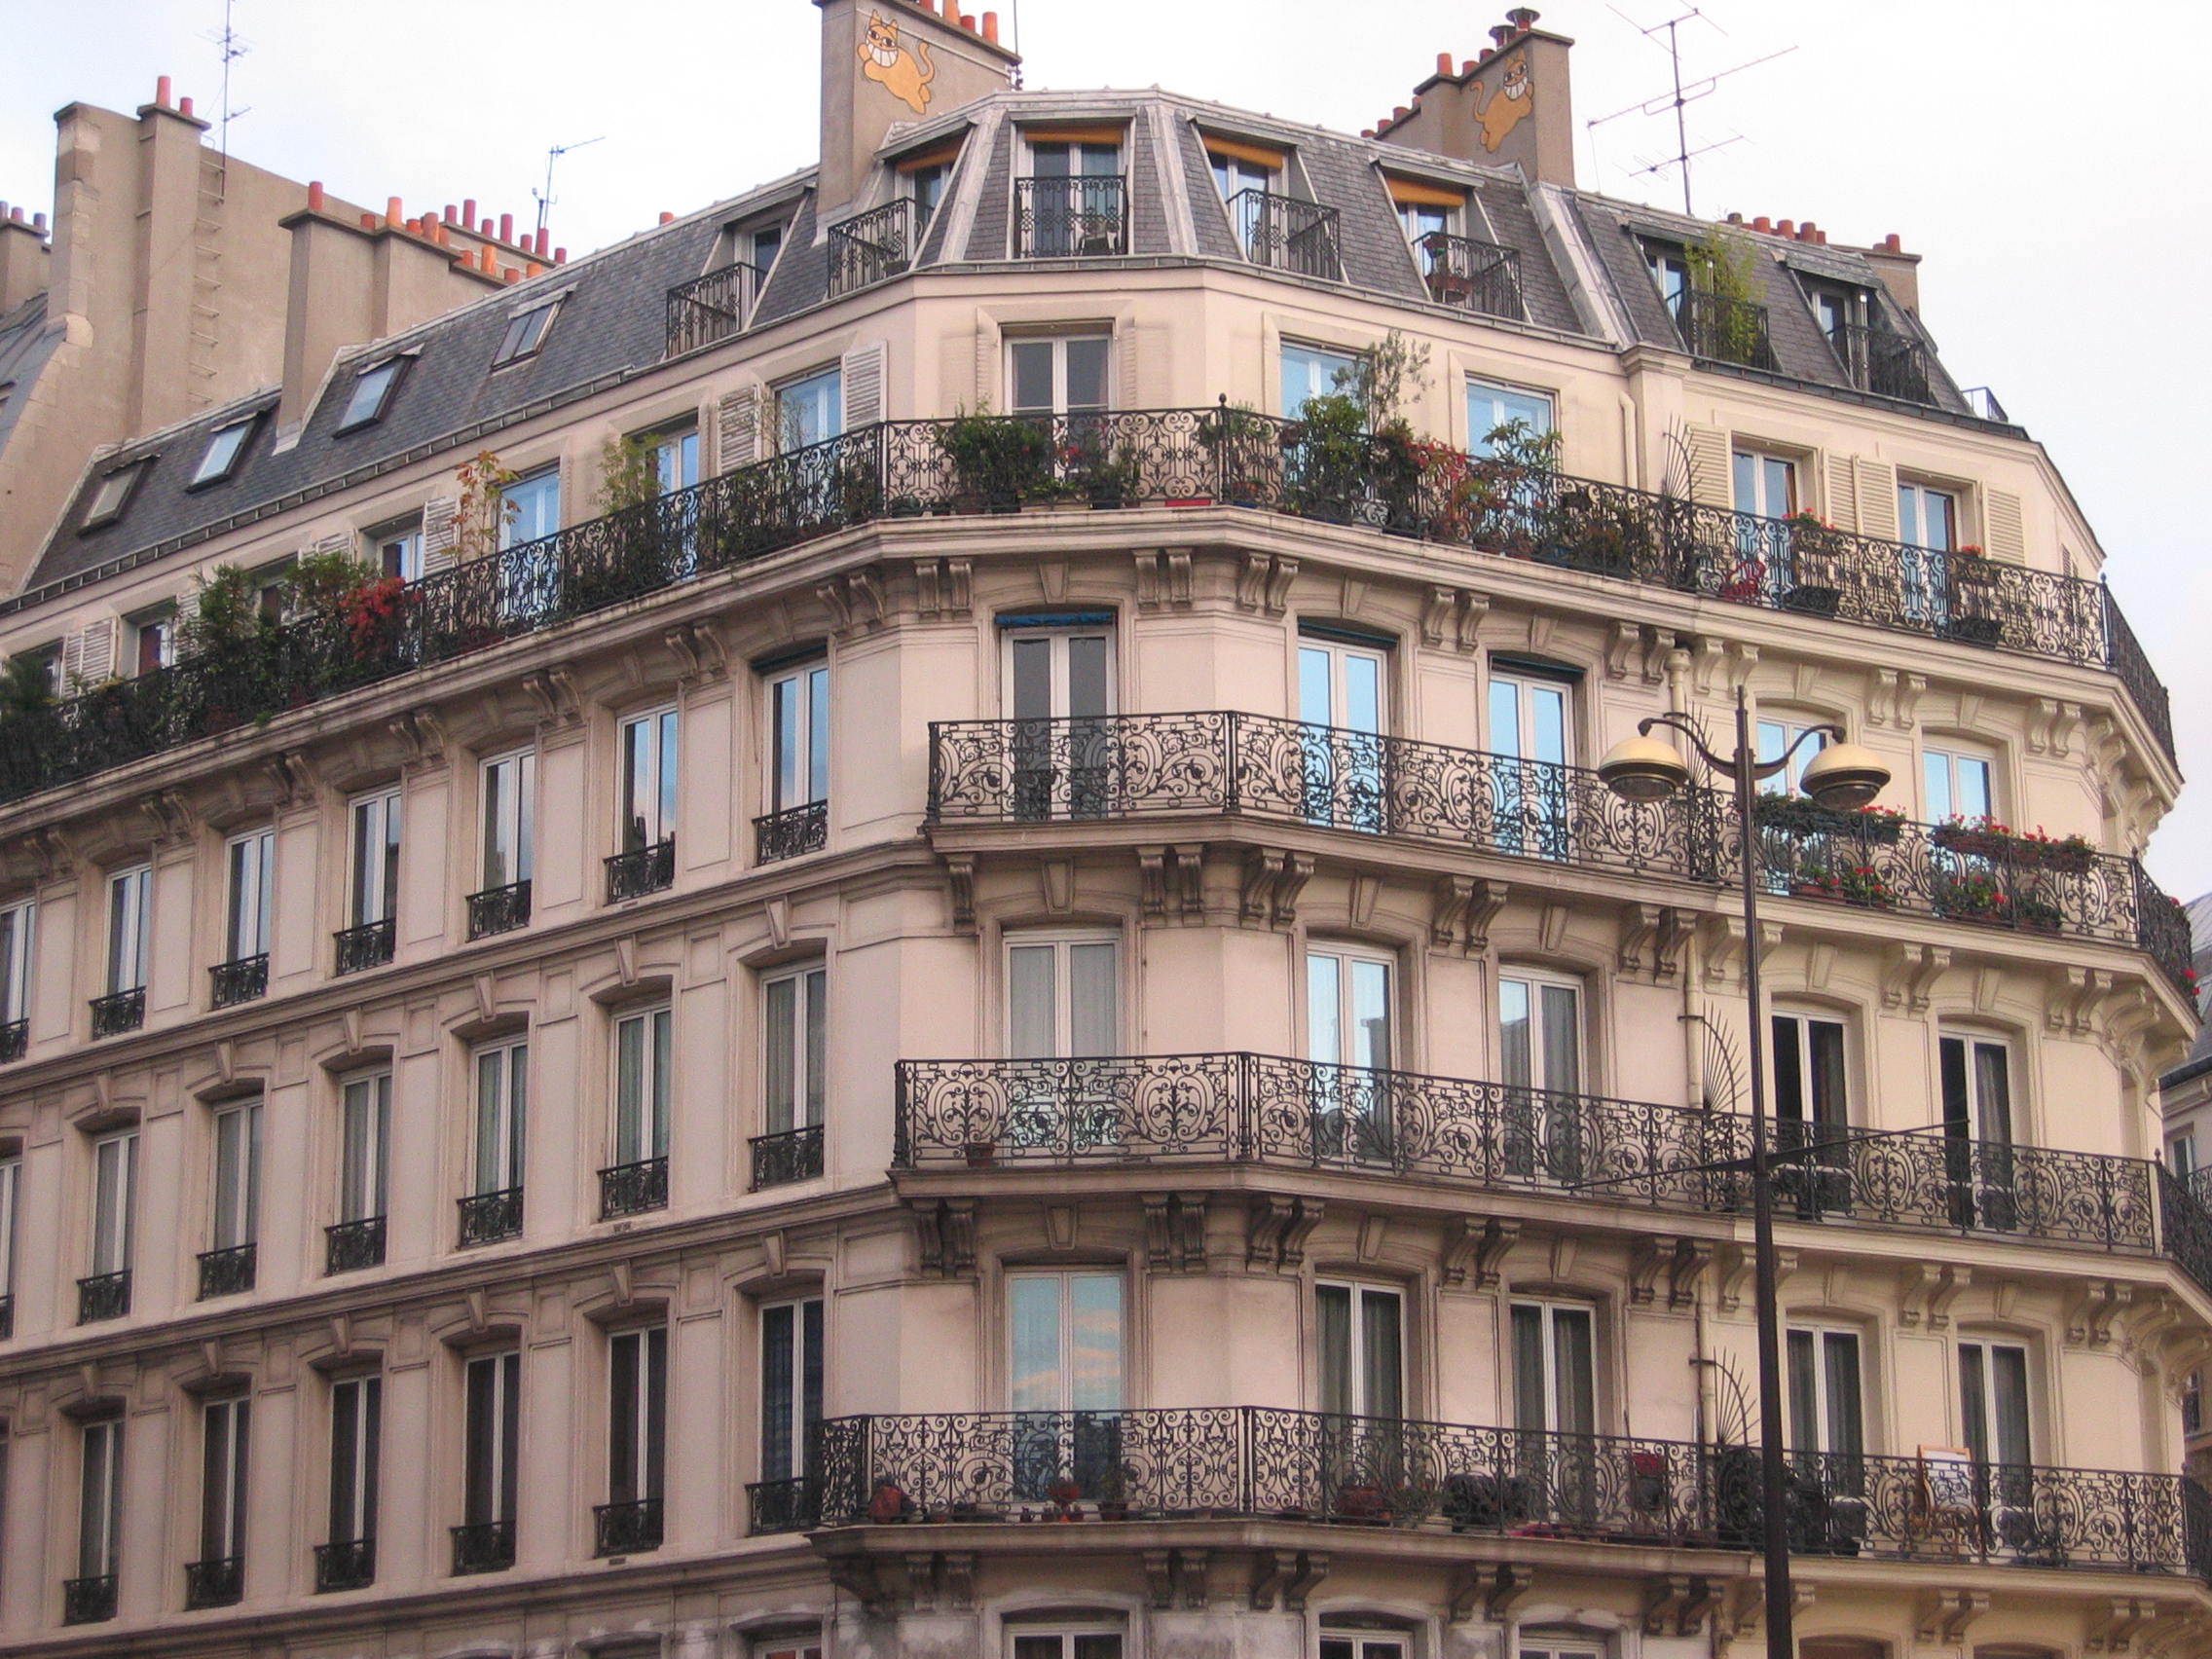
x: 1763, y: 224
x: 667, y: 218
x: 1444, y: 63
x: 560, y: 256
x: 1488, y: 52
x: 991, y: 27
x: 468, y: 213
x: 1400, y: 113
x: 1787, y: 228
x: 507, y: 228
x: 184, y: 106
x: 38, y: 223
x: 315, y: 196
x: 1893, y: 244
x: 368, y: 221
x: 1500, y: 33
x: 1468, y: 67
x: 161, y: 90
x: 967, y: 22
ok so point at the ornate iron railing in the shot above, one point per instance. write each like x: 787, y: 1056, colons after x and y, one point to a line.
x: 1883, y: 362
x: 1080, y: 217
x: 791, y: 832
x: 1286, y: 234
x: 1261, y: 1462
x: 871, y: 246
x: 2184, y: 1222
x: 15, y: 1039
x: 350, y: 1565
x: 1121, y: 458
x: 118, y: 1012
x: 787, y: 1155
x: 1480, y: 275
x: 348, y: 1246
x: 643, y: 870
x: 369, y: 946
x: 483, y: 1546
x: 488, y: 1217
x: 87, y: 1601
x: 103, y: 1296
x: 498, y: 910
x: 626, y: 1528
x: 632, y: 1189
x: 1724, y: 329
x: 228, y: 1271
x: 779, y: 1506
x: 712, y: 308
x: 217, y: 1583
x: 238, y: 981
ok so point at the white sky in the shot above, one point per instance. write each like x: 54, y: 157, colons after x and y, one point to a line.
x: 2046, y: 158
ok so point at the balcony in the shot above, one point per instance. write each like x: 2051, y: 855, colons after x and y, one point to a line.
x: 1722, y: 330
x: 14, y: 1040
x: 1235, y: 764
x: 643, y: 870
x: 483, y: 1546
x: 1071, y: 218
x: 228, y: 1271
x: 498, y: 910
x: 788, y: 1156
x: 348, y: 1565
x: 486, y: 1218
x: 874, y: 246
x: 791, y: 833
x: 349, y: 1246
x: 219, y: 1583
x: 366, y: 947
x: 242, y: 980
x: 1270, y: 1110
x: 711, y: 309
x: 103, y: 1296
x: 87, y: 1601
x: 118, y: 1012
x: 1286, y: 234
x: 626, y: 1528
x: 633, y: 1189
x: 1883, y: 362
x: 1263, y: 1463
x: 1478, y: 276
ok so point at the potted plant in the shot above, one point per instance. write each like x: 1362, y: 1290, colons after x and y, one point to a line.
x: 1114, y: 1493
x: 2039, y: 913
x: 997, y: 461
x: 1795, y: 815
x: 1364, y: 1501
x: 1972, y: 895
x: 889, y: 1505
x: 1065, y: 1496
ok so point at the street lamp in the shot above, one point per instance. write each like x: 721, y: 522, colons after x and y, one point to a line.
x: 1842, y: 776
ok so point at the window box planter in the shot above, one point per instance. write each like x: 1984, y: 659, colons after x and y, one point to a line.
x: 1796, y: 816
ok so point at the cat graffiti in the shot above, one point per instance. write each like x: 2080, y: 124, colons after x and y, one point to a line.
x: 1503, y: 110
x: 907, y: 74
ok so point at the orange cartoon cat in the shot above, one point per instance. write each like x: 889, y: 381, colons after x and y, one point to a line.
x: 883, y: 59
x: 1503, y: 111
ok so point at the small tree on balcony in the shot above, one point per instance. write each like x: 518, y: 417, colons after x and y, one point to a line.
x: 485, y: 510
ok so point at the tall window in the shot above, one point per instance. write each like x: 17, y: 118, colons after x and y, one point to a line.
x: 492, y: 1440
x: 114, y: 1194
x: 17, y: 922
x: 1491, y: 407
x: 11, y: 1185
x: 510, y: 805
x: 237, y: 1175
x: 798, y: 722
x: 642, y: 1069
x: 2181, y: 1158
x: 1992, y: 1402
x: 531, y: 507
x: 1766, y: 484
x: 153, y: 637
x: 100, y: 1501
x: 791, y: 1384
x: 1060, y: 672
x: 1539, y: 1047
x: 1531, y: 732
x: 1066, y: 1342
x: 356, y: 1411
x: 1343, y: 689
x: 364, y: 1147
x: 648, y: 780
x: 1062, y: 996
x: 1810, y: 1074
x: 373, y: 894
x: 1349, y: 1039
x: 396, y: 548
x: 1312, y: 371
x: 224, y: 1429
x: 502, y: 1075
x: 1776, y: 734
x: 796, y: 1007
x: 1233, y: 173
x: 636, y: 1401
x: 1554, y: 1384
x: 1927, y: 517
x: 1360, y: 1341
x: 925, y: 187
x: 1064, y: 374
x: 1341, y: 682
x: 810, y: 411
x: 130, y: 927
x: 1670, y: 268
x: 1977, y: 1074
x: 251, y: 863
x: 1075, y: 201
x: 1827, y: 1419
x: 1959, y: 784
x: 674, y: 453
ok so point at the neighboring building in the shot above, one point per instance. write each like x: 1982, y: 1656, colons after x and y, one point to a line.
x: 944, y: 1041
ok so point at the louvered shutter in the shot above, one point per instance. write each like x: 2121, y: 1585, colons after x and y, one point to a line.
x: 1708, y: 448
x: 1877, y: 493
x: 441, y: 532
x: 2004, y: 528
x: 88, y: 656
x: 737, y: 430
x: 1122, y: 393
x: 341, y: 542
x: 1843, y: 491
x: 862, y: 377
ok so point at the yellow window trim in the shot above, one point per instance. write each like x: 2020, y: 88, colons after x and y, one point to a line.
x: 936, y: 154
x: 1406, y: 193
x: 1240, y: 150
x: 1076, y: 134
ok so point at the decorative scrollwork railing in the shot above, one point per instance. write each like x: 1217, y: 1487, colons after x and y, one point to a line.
x: 642, y: 871
x: 488, y: 1217
x: 1724, y: 329
x: 498, y: 910
x: 712, y: 308
x: 103, y: 1296
x: 787, y: 1155
x: 1081, y: 217
x: 483, y: 1546
x: 348, y: 1246
x: 792, y: 832
x: 633, y: 1189
x: 118, y: 1012
x: 215, y: 1583
x: 228, y: 1271
x: 87, y: 1601
x: 1286, y: 234
x: 626, y: 1528
x: 349, y: 1565
x: 15, y: 1039
x: 242, y: 980
x: 1480, y: 275
x: 1883, y: 362
x: 871, y: 246
x: 366, y: 947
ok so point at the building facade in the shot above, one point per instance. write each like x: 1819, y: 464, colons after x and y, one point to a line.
x: 808, y: 1020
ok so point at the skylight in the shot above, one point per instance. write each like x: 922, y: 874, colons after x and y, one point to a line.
x: 114, y: 493
x: 525, y: 332
x: 220, y: 458
x: 372, y: 394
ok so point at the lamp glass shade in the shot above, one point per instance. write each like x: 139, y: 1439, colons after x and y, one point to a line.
x: 1843, y: 776
x: 1644, y: 769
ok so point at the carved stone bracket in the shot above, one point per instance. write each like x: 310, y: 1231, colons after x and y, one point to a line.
x: 942, y: 589
x: 1675, y: 1604
x: 698, y: 650
x: 855, y: 600
x: 1946, y: 1615
x: 1453, y: 616
x: 960, y: 884
x: 1651, y: 940
x: 1273, y: 881
x: 1291, y: 1573
x: 1751, y: 1604
x: 1691, y: 1258
x: 1176, y: 1233
x: 2093, y: 1309
x: 1926, y: 1292
x: 1652, y: 1252
x: 553, y: 694
x: 1175, y: 1577
x: 944, y: 1231
x: 1276, y: 1229
x: 1476, y: 1251
x: 1263, y: 583
x: 1164, y: 579
x: 1462, y: 909
x: 1173, y: 883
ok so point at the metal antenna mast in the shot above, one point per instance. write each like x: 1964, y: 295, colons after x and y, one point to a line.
x: 232, y: 45
x: 545, y: 197
x: 1682, y: 95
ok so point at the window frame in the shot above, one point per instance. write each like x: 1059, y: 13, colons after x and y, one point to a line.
x: 1764, y: 461
x: 644, y: 1437
x: 1952, y: 754
x: 250, y: 892
x: 517, y: 818
x: 808, y: 1043
x: 115, y: 1228
x: 129, y: 960
x: 1987, y: 1345
x: 1919, y: 491
x: 1500, y: 393
x: 500, y: 1461
x: 402, y: 535
x: 10, y: 1202
x: 1065, y: 1368
x: 112, y: 495
x: 1537, y: 980
x: 375, y: 1161
x: 1549, y: 1309
x: 825, y: 387
x: 806, y: 1384
x: 1059, y: 340
x: 1355, y: 1642
x: 1063, y: 943
x: 384, y: 809
x: 507, y: 1111
x: 209, y: 470
x: 1060, y: 638
x: 519, y: 342
x: 224, y: 1454
x: 1067, y: 1635
x: 1286, y: 346
x: 640, y: 1127
x: 18, y: 956
x: 1819, y: 1334
x: 530, y: 493
x: 1348, y: 956
x: 100, y: 1510
x: 158, y: 624
x: 236, y: 1223
x: 808, y: 762
x: 1976, y: 1121
x: 356, y: 1459
x: 1806, y: 1060
x: 662, y: 782
x: 1357, y: 1403
x: 357, y: 414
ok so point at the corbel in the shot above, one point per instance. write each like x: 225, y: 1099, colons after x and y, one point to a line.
x: 1945, y: 1615
x: 1691, y: 1258
x: 1881, y: 696
x: 1190, y: 880
x: 1476, y: 1250
x: 1724, y: 937
x: 1279, y: 579
x: 1271, y: 1570
x: 944, y: 1231
x: 1910, y: 690
x: 1309, y: 1217
x: 1265, y: 1225
x: 1263, y: 870
x: 1751, y: 1603
x: 960, y: 885
x: 1705, y: 662
x: 958, y: 1568
x: 1252, y: 582
x: 1313, y: 1567
x: 1159, y: 1564
x: 1189, y: 1232
x: 1355, y: 595
x: 1482, y: 907
x: 1639, y: 923
x: 56, y: 856
x: 1056, y: 880
x: 1743, y: 658
x: 2122, y: 1620
x: 854, y: 1573
x: 1473, y: 607
x: 1665, y: 1596
x: 1436, y: 614
x: 864, y: 587
x: 2043, y: 717
x: 1652, y: 1252
x: 1152, y: 874
x: 2090, y: 1312
x: 1366, y: 888
x: 1735, y: 1268
x: 1667, y: 948
x: 1448, y: 906
x: 1511, y: 1581
x: 1626, y: 637
x: 1659, y: 645
x: 2066, y: 730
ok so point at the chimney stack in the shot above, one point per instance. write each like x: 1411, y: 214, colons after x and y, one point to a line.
x: 1511, y: 106
x: 888, y: 62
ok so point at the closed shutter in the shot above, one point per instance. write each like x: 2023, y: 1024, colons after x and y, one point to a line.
x: 737, y: 430
x: 863, y: 376
x: 1708, y: 448
x: 341, y: 542
x: 2004, y: 528
x: 1877, y: 493
x: 441, y: 532
x: 88, y: 656
x: 1842, y: 490
x: 1122, y: 393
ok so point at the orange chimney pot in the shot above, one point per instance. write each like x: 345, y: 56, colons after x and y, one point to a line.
x: 161, y: 90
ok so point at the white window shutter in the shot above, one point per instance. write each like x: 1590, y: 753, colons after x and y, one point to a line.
x: 2004, y: 527
x: 1122, y: 393
x: 1877, y: 493
x: 441, y: 532
x: 1708, y: 448
x: 1842, y: 491
x: 863, y: 376
x: 341, y: 542
x: 88, y: 656
x: 737, y: 430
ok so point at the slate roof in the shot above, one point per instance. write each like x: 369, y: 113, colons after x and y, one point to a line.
x: 24, y: 346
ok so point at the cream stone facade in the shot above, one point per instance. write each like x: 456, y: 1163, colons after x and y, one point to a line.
x: 1061, y: 1058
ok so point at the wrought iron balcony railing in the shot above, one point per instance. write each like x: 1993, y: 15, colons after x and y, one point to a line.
x: 227, y: 1271
x: 103, y: 1296
x: 483, y: 1546
x: 1480, y: 275
x: 873, y: 246
x: 1081, y: 217
x: 712, y: 308
x: 498, y: 910
x: 633, y: 1189
x: 15, y: 1039
x: 486, y: 1218
x: 779, y: 1506
x: 87, y: 1601
x: 350, y: 1565
x: 626, y: 1528
x: 1883, y: 362
x: 366, y: 947
x: 240, y: 981
x: 1722, y: 329
x: 642, y: 871
x: 1286, y: 234
x: 348, y: 1246
x: 216, y: 1583
x: 787, y: 1155
x: 1261, y: 1462
x: 1224, y: 761
x: 1123, y: 458
x: 118, y: 1012
x: 792, y: 832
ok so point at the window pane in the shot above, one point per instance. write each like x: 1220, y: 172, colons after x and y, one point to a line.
x: 818, y: 735
x: 1973, y: 1401
x: 1091, y: 999
x: 1087, y: 674
x: 1529, y: 1406
x: 1333, y: 1318
x: 2008, y: 1374
x: 1324, y: 1034
x: 1032, y: 678
x: 1317, y: 700
x: 1993, y: 1093
x: 1562, y: 1042
x: 1804, y: 1392
x: 1030, y: 1013
x: 1577, y: 1412
x: 1032, y: 375
x: 1095, y: 1327
x: 1099, y: 1647
x: 1371, y: 1015
x: 1087, y: 373
x: 1844, y: 1424
x: 778, y: 1362
x: 817, y: 1042
x: 629, y: 1090
x: 1363, y: 694
x: 1514, y: 1052
x: 1381, y: 1350
x: 1034, y: 1303
x: 782, y: 1057
x: 1830, y: 1105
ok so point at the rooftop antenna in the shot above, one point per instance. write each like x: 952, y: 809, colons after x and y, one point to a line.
x: 1682, y: 94
x: 545, y: 197
x: 232, y: 45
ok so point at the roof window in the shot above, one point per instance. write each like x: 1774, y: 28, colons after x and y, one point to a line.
x: 112, y: 497
x: 373, y: 387
x: 525, y: 333
x: 220, y: 458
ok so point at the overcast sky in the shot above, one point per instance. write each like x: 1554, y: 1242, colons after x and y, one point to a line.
x: 2047, y: 159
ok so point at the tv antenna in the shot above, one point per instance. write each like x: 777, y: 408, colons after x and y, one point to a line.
x: 545, y: 197
x: 232, y: 45
x: 1682, y: 95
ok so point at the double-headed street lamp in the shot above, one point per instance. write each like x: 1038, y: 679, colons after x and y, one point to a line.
x: 1842, y: 776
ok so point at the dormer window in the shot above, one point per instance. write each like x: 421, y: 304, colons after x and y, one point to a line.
x: 225, y: 448
x: 372, y: 394
x: 525, y: 333
x: 1670, y: 266
x: 923, y: 179
x: 1074, y: 204
x: 1238, y: 165
x: 767, y: 242
x: 112, y: 497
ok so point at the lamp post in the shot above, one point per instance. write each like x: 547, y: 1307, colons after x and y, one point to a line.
x: 1842, y: 776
